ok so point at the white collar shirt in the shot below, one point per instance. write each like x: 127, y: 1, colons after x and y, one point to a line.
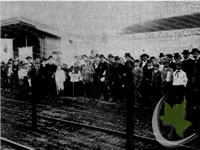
x: 179, y: 78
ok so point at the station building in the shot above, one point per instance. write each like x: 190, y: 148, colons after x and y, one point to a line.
x: 22, y: 37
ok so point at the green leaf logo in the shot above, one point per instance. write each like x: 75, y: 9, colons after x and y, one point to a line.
x: 175, y: 117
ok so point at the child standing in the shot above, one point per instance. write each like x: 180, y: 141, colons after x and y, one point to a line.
x: 179, y: 83
x: 60, y: 79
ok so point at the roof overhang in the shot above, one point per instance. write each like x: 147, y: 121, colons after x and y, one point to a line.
x: 165, y: 24
x: 20, y: 25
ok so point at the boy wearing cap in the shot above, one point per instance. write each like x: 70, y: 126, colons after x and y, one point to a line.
x: 179, y: 83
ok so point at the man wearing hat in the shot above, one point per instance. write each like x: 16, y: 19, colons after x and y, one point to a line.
x: 156, y: 82
x: 177, y: 57
x: 196, y: 77
x: 15, y: 75
x: 100, y: 72
x: 117, y: 75
x: 161, y: 55
x: 187, y: 62
x: 196, y: 89
x: 129, y: 98
x: 137, y: 81
x: 187, y: 67
x: 144, y: 57
x: 171, y: 63
x: 109, y: 76
x: 167, y: 77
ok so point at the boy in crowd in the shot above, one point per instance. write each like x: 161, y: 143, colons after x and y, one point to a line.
x: 179, y: 83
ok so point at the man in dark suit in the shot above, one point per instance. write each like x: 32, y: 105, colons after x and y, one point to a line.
x: 187, y: 67
x: 187, y: 63
x: 196, y: 76
x: 171, y: 63
x: 144, y: 57
x: 118, y: 74
x: 196, y: 90
x: 51, y: 69
x: 100, y: 72
x: 156, y: 83
x: 129, y: 97
x: 109, y: 76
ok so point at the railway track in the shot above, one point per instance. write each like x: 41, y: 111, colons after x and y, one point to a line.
x: 107, y: 121
x: 13, y: 144
x: 68, y: 109
x: 96, y: 128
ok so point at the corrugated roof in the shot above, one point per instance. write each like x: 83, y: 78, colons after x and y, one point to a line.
x: 164, y: 24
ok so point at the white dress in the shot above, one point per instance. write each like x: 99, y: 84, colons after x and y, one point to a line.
x: 60, y: 79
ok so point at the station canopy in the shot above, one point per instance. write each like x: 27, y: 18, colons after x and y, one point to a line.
x: 20, y: 25
x: 165, y: 24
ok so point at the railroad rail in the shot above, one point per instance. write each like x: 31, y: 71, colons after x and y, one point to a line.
x: 15, y: 144
x: 68, y: 109
x: 91, y: 127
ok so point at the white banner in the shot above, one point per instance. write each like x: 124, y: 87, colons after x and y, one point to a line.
x: 6, y: 49
x: 25, y: 52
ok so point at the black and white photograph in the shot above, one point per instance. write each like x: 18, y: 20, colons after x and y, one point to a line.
x: 100, y: 75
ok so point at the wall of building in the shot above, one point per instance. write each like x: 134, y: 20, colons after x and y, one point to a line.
x: 152, y: 43
x: 50, y: 46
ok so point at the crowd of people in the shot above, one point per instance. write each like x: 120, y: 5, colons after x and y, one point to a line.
x: 109, y: 79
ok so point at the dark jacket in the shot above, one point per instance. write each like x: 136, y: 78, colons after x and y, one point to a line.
x: 188, y: 66
x: 156, y: 80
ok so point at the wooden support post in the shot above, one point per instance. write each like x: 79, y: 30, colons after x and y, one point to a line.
x: 34, y: 115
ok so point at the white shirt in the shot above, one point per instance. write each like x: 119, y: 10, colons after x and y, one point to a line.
x: 22, y: 73
x: 75, y: 77
x: 144, y: 63
x: 60, y: 76
x: 179, y: 78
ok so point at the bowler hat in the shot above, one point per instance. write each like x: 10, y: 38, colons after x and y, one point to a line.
x: 144, y: 55
x: 110, y: 56
x: 127, y: 55
x: 195, y: 50
x: 101, y: 56
x: 28, y: 57
x: 161, y: 55
x: 169, y: 55
x: 185, y: 52
x: 137, y: 60
x: 177, y: 55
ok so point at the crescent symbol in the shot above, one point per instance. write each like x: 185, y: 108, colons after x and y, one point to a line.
x: 163, y: 141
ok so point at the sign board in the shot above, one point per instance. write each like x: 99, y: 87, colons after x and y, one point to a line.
x: 6, y: 49
x: 25, y: 52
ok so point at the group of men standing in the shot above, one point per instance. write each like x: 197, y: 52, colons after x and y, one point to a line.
x: 113, y: 78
